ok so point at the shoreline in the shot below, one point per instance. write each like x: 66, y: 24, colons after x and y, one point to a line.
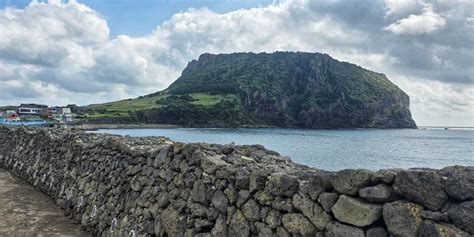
x: 95, y: 127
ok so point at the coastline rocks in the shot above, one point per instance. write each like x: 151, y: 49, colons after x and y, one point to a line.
x: 280, y: 184
x: 335, y: 229
x: 460, y: 183
x: 349, y: 181
x: 312, y: 211
x: 155, y: 186
x: 423, y: 187
x: 376, y: 232
x: 296, y: 223
x: 402, y: 218
x: 327, y: 200
x: 356, y: 212
x: 432, y: 229
x: 378, y: 193
x: 462, y: 216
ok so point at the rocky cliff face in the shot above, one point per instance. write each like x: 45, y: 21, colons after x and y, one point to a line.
x: 123, y: 186
x: 284, y: 89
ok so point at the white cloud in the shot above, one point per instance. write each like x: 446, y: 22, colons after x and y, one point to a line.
x: 401, y: 6
x: 424, y: 23
x: 59, y: 53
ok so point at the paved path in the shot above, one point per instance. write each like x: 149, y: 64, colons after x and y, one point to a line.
x: 25, y: 211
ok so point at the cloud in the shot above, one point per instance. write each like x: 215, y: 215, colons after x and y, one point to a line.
x: 61, y: 53
x: 424, y: 23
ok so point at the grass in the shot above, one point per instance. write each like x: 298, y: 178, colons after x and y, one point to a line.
x: 122, y: 108
x: 205, y: 99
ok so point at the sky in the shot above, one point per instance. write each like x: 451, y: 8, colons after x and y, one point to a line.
x: 92, y: 51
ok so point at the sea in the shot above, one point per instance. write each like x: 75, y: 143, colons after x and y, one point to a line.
x: 334, y: 150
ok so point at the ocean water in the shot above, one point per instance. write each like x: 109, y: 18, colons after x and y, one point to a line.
x: 340, y: 149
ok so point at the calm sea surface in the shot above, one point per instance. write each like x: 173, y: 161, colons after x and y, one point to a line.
x: 340, y: 149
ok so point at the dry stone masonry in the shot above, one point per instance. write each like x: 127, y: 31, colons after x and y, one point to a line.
x: 151, y: 186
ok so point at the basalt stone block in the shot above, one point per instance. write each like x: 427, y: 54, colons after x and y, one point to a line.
x: 264, y: 198
x: 312, y: 211
x: 336, y: 229
x: 257, y: 182
x: 350, y: 181
x: 282, y: 204
x: 376, y: 232
x: 242, y: 179
x: 314, y: 185
x: 422, y: 186
x: 238, y: 225
x: 296, y: 223
x: 432, y: 229
x: 199, y: 192
x: 460, y: 183
x: 273, y: 219
x: 251, y: 210
x: 283, y: 185
x: 384, y: 176
x: 173, y: 223
x: 211, y: 163
x: 220, y: 201
x: 462, y: 216
x: 220, y: 228
x: 378, y: 193
x: 327, y: 200
x: 356, y: 212
x: 435, y: 215
x: 402, y: 218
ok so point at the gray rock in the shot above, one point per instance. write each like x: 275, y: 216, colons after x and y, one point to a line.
x: 163, y: 199
x: 315, y: 185
x: 435, y: 215
x: 377, y: 193
x: 356, y: 212
x: 350, y: 181
x: 312, y: 211
x: 376, y: 232
x: 336, y: 229
x: 281, y: 232
x: 137, y: 184
x: 423, y: 187
x: 462, y: 216
x: 242, y: 179
x: 273, y: 219
x: 220, y: 201
x: 280, y: 184
x: 263, y: 230
x: 251, y: 210
x: 296, y: 223
x: 460, y: 183
x: 257, y: 182
x: 173, y: 223
x: 402, y: 218
x: 383, y: 176
x: 210, y: 164
x: 432, y: 229
x: 231, y: 194
x: 220, y: 228
x: 238, y: 225
x: 282, y: 204
x: 327, y: 200
x: 264, y: 198
x: 198, y: 193
x: 242, y: 197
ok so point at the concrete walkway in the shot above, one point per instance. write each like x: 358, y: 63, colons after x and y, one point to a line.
x: 25, y: 211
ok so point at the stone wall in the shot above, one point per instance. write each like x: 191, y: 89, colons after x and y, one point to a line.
x: 123, y: 186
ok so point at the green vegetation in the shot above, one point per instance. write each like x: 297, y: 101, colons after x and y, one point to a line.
x: 281, y: 89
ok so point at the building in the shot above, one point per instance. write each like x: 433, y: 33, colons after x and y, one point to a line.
x: 32, y: 112
x: 11, y: 115
x: 62, y: 114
